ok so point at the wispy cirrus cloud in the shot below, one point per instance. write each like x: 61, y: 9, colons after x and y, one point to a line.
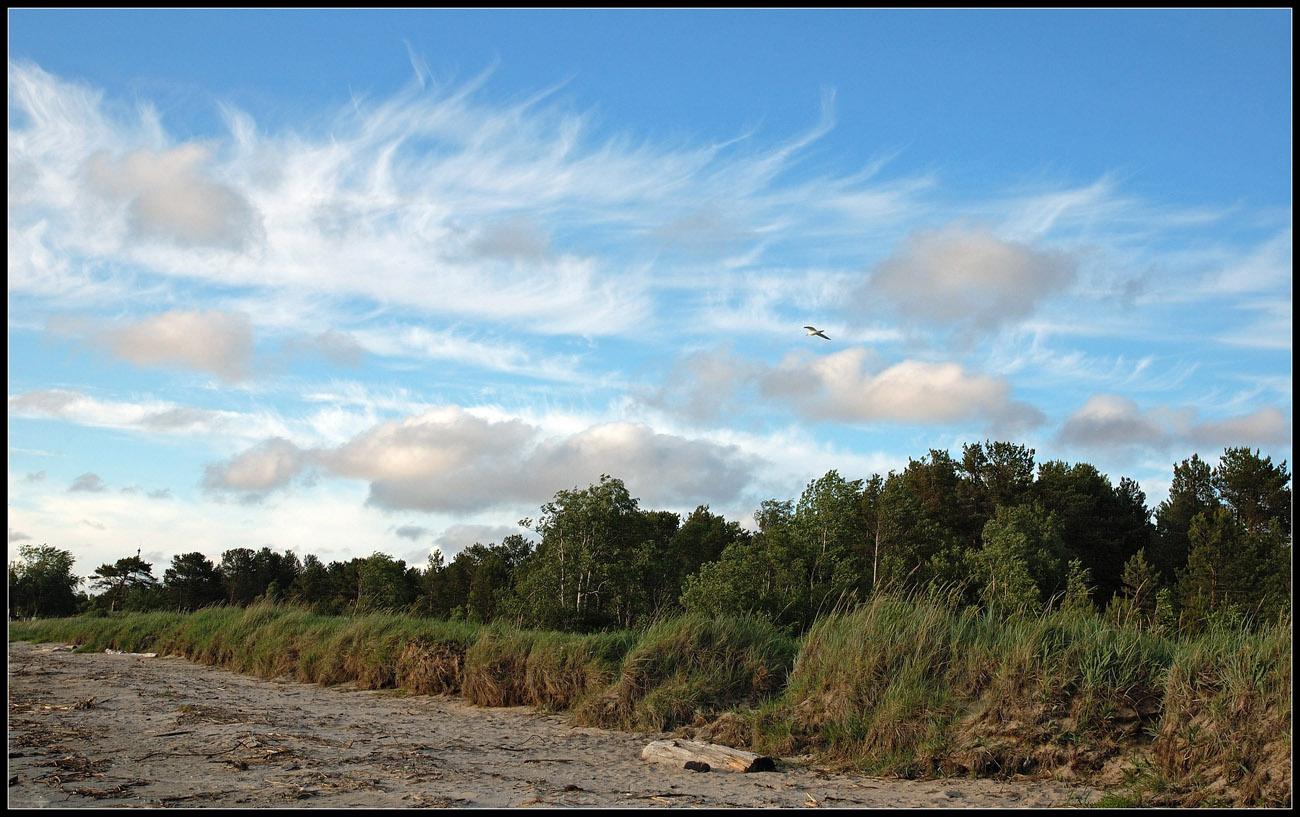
x: 432, y: 199
x: 154, y: 416
x: 461, y: 346
x: 527, y: 214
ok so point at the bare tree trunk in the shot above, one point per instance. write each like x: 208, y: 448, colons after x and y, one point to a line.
x: 875, y: 559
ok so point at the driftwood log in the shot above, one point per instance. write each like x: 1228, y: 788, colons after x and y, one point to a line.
x: 705, y: 757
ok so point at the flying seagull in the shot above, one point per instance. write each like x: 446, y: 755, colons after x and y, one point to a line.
x: 812, y: 330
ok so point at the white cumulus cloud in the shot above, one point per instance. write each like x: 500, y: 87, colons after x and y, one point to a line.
x: 205, y: 340
x: 448, y: 459
x: 168, y: 194
x: 852, y: 386
x: 965, y: 279
x: 1109, y: 421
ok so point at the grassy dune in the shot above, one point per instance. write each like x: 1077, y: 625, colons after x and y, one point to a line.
x: 895, y: 687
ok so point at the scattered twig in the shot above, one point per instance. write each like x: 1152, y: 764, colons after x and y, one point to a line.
x: 530, y: 737
x: 88, y: 703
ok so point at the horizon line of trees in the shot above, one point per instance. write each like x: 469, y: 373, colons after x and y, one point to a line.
x: 992, y: 528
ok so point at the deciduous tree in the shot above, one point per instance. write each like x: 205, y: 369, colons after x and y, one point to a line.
x: 580, y: 573
x: 41, y: 583
x: 1023, y: 562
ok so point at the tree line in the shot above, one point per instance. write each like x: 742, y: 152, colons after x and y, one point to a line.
x: 992, y: 528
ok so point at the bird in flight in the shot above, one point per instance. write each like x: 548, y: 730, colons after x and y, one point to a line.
x: 812, y: 330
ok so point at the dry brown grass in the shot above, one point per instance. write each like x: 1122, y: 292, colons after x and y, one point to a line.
x: 1226, y: 732
x: 428, y: 667
x: 495, y: 670
x: 692, y: 666
x: 563, y: 669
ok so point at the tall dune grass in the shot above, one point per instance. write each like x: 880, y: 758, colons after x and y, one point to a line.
x: 910, y: 687
x: 548, y: 670
x: 895, y: 686
x: 690, y: 667
x: 1226, y: 733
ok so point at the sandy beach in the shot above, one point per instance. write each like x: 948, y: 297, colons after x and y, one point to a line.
x: 117, y: 730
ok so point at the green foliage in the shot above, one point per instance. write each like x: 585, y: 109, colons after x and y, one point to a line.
x: 1223, y: 539
x: 1078, y: 590
x: 1232, y: 567
x: 1023, y: 561
x: 381, y: 584
x: 125, y: 584
x: 41, y: 583
x: 191, y: 582
x: 985, y: 530
x: 312, y: 588
x: 375, y: 583
x: 761, y: 577
x: 490, y: 581
x: 1166, y: 620
x: 247, y: 575
x: 1135, y: 605
x: 994, y: 475
x: 1254, y: 489
x: 476, y: 585
x: 918, y: 533
x: 1101, y: 525
x: 1190, y: 494
x: 588, y: 571
x: 692, y: 666
x: 700, y: 541
x: 804, y: 559
x: 828, y: 527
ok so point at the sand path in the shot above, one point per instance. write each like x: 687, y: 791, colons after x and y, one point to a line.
x: 105, y: 730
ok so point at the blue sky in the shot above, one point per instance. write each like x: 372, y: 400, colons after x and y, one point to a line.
x: 344, y: 282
